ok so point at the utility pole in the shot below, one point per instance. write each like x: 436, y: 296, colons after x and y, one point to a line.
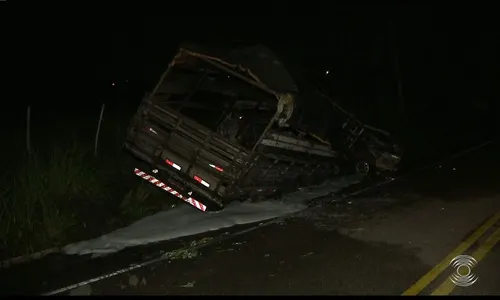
x: 399, y: 84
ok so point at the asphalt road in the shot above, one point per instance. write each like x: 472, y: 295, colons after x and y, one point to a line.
x: 393, y: 240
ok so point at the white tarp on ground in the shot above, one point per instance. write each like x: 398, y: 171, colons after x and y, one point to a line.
x: 186, y: 220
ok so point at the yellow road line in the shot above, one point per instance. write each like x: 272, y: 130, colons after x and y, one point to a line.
x: 440, y: 267
x: 447, y: 286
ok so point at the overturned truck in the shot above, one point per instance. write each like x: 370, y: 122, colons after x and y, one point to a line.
x: 226, y: 124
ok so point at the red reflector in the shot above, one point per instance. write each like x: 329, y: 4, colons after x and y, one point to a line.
x: 171, y: 163
x: 201, y: 181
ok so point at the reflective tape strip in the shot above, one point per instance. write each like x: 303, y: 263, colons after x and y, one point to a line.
x: 171, y: 163
x: 165, y: 187
x: 201, y: 181
x: 216, y: 167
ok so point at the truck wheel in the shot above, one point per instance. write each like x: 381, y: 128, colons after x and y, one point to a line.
x: 362, y: 167
x: 336, y: 170
x: 368, y: 170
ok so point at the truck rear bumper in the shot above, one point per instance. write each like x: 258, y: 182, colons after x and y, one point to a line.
x: 156, y: 182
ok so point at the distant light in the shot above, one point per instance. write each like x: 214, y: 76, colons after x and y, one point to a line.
x: 241, y: 118
x: 112, y: 84
x: 327, y: 72
x: 126, y: 80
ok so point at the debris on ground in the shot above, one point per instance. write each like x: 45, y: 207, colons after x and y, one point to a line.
x: 307, y: 254
x: 85, y: 290
x: 281, y: 222
x: 189, y: 284
x: 133, y: 280
x: 201, y: 241
x: 181, y: 254
x: 225, y: 250
x: 187, y: 253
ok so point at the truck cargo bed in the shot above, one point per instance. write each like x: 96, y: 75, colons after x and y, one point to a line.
x: 215, y: 130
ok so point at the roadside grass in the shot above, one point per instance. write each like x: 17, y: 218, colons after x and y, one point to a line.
x: 62, y: 193
x: 35, y: 212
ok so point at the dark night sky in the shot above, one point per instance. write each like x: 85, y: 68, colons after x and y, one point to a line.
x: 445, y: 54
x: 437, y: 52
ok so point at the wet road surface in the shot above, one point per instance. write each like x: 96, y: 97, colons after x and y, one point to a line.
x: 391, y: 240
